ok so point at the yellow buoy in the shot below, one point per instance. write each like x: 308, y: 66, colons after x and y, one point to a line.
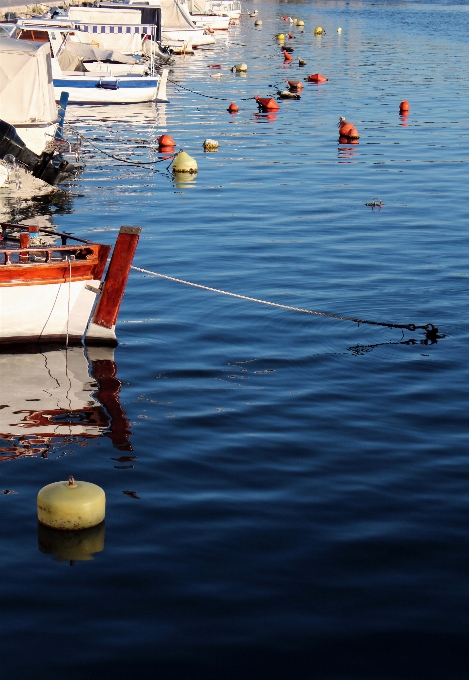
x: 318, y: 30
x: 300, y: 22
x: 71, y: 546
x: 281, y: 36
x: 210, y: 145
x: 184, y: 163
x: 258, y: 23
x: 71, y: 505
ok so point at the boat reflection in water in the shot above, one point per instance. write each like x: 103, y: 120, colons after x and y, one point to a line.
x: 59, y: 397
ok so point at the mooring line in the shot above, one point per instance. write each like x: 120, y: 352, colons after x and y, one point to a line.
x: 209, y: 96
x: 429, y: 327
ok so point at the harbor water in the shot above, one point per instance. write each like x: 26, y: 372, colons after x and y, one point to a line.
x: 287, y: 494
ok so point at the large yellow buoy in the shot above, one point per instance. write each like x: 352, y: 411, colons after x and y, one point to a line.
x: 71, y: 546
x: 318, y: 30
x: 71, y: 505
x: 184, y: 163
x: 300, y: 22
x: 281, y: 36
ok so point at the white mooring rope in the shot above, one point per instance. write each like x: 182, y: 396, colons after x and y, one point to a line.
x: 429, y: 327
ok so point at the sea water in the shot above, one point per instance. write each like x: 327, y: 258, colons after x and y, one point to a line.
x: 287, y: 494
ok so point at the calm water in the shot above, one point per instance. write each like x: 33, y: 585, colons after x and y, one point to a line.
x: 287, y: 495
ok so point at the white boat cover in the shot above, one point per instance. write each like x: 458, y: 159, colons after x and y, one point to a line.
x: 174, y: 15
x: 198, y: 6
x: 101, y: 37
x: 26, y: 89
x: 92, y: 53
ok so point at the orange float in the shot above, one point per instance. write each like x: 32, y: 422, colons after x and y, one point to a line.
x: 166, y: 143
x: 267, y: 104
x: 233, y: 108
x: 287, y: 56
x: 290, y: 35
x: 316, y: 78
x: 294, y: 85
x: 347, y: 130
x: 404, y: 106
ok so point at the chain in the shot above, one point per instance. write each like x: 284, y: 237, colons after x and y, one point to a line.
x: 429, y: 327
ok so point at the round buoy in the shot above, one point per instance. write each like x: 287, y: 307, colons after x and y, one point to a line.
x: 71, y: 505
x: 404, y: 106
x: 210, y: 145
x: 300, y: 22
x: 347, y: 130
x: 339, y: 30
x: 71, y: 546
x: 184, y: 163
x: 318, y: 30
x: 295, y: 84
x: 281, y: 36
x: 301, y: 62
x: 287, y: 94
x: 233, y: 108
x: 240, y: 68
x: 166, y: 142
x: 258, y: 23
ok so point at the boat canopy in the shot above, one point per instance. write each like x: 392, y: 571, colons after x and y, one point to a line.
x: 26, y: 88
x: 100, y: 21
x: 175, y: 15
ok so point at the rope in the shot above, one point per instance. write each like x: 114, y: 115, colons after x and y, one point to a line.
x: 126, y: 161
x: 429, y: 327
x: 209, y: 96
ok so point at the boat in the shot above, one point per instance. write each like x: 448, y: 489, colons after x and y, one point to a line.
x: 202, y: 16
x: 94, y: 87
x: 55, y: 398
x: 27, y: 93
x: 57, y: 292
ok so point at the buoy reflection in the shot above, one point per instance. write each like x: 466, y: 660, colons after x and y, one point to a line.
x: 71, y: 546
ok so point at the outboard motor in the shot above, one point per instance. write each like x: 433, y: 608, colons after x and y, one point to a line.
x: 41, y: 166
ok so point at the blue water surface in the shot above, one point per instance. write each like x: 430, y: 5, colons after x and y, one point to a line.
x: 293, y: 498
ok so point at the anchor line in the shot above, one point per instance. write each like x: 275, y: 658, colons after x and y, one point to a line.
x: 209, y: 96
x: 429, y: 327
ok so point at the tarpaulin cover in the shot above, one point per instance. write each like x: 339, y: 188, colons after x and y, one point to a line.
x: 92, y: 53
x: 175, y: 15
x: 130, y: 43
x: 26, y: 89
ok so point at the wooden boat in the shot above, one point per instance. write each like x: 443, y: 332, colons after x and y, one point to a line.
x: 57, y: 293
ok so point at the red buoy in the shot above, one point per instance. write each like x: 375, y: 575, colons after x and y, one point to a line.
x: 267, y: 104
x: 214, y: 66
x: 404, y: 106
x: 316, y: 78
x: 294, y: 85
x: 347, y: 130
x: 165, y: 142
x: 287, y: 56
x: 233, y: 108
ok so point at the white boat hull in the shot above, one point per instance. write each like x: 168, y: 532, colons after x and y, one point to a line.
x: 36, y: 137
x: 84, y: 89
x: 213, y: 21
x: 191, y: 37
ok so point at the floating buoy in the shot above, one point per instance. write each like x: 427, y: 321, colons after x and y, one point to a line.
x: 166, y: 140
x: 71, y: 505
x: 281, y: 36
x: 286, y: 94
x: 240, y: 68
x: 291, y: 36
x: 347, y: 130
x: 295, y: 84
x: 267, y: 104
x: 71, y: 546
x: 184, y: 163
x: 301, y: 62
x: 289, y: 48
x: 300, y: 22
x: 287, y: 56
x: 233, y: 108
x: 339, y: 30
x: 316, y: 78
x: 404, y: 106
x: 210, y: 145
x: 318, y: 30
x: 214, y: 66
x: 258, y: 23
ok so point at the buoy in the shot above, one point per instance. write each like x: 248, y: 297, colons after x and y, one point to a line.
x: 166, y: 142
x: 267, y: 104
x: 71, y: 505
x: 184, y: 163
x: 339, y: 30
x: 300, y: 22
x: 301, y: 62
x: 240, y: 68
x: 404, y: 106
x: 72, y: 546
x: 233, y: 108
x: 286, y: 94
x: 289, y: 48
x: 258, y: 23
x: 291, y: 36
x: 295, y: 84
x: 316, y: 78
x: 347, y: 130
x: 287, y: 56
x: 214, y: 66
x: 210, y: 145
x: 318, y: 30
x: 281, y: 36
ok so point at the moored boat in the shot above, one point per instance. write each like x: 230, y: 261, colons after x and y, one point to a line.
x: 57, y: 293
